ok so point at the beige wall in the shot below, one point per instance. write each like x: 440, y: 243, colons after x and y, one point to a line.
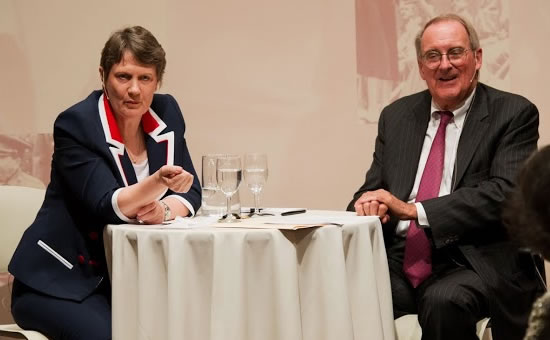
x: 250, y: 75
x: 530, y: 29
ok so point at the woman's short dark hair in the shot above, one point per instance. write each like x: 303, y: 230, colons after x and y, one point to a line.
x: 527, y: 212
x: 138, y: 41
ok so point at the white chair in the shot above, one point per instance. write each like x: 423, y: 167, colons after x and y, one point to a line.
x: 408, y: 328
x: 18, y: 208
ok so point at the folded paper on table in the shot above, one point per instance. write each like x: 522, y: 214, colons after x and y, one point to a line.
x: 291, y: 222
x: 256, y: 225
x: 302, y: 219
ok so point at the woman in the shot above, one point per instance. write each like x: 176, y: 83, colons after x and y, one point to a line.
x: 120, y: 156
x: 528, y: 220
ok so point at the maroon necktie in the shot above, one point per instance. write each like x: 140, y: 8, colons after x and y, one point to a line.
x: 417, y: 263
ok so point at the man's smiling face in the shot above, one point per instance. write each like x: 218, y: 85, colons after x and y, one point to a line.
x: 449, y: 85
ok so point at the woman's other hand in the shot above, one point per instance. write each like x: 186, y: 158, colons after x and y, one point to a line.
x: 175, y: 178
x: 152, y: 213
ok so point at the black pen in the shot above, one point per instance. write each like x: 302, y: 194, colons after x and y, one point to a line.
x: 293, y: 212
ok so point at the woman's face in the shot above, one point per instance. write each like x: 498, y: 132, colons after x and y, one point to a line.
x: 130, y: 87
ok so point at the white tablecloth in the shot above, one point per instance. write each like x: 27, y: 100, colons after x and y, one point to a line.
x: 236, y: 284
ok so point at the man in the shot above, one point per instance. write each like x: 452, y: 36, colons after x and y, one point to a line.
x: 444, y: 161
x: 11, y: 149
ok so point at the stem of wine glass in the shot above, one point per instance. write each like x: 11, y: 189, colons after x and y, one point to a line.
x: 229, y: 215
x: 256, y: 203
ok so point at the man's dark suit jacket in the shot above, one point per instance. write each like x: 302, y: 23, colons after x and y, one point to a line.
x: 500, y: 132
x: 61, y: 254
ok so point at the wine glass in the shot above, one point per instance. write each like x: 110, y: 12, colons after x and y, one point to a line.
x: 255, y: 175
x: 229, y: 174
x: 209, y: 182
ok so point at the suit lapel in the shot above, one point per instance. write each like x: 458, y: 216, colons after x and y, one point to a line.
x: 114, y: 142
x: 475, y: 127
x: 412, y: 138
x: 128, y: 169
x: 160, y: 146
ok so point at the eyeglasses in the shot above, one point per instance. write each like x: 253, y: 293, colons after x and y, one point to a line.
x: 456, y: 56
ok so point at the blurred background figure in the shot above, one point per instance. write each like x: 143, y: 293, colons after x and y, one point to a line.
x: 12, y: 149
x: 528, y: 221
x: 377, y: 60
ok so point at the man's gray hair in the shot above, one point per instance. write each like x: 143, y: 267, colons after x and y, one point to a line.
x: 472, y: 34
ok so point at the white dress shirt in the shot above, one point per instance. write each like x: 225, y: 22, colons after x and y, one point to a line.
x: 452, y: 136
x: 141, y: 169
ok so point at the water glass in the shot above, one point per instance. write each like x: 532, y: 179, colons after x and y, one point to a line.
x: 255, y: 175
x: 228, y: 176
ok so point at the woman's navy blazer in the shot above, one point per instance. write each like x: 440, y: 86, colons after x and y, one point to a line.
x: 61, y: 254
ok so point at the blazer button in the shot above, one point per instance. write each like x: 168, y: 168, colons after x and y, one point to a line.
x: 93, y: 235
x: 80, y: 259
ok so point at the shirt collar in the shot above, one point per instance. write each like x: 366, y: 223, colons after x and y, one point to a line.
x: 459, y: 113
